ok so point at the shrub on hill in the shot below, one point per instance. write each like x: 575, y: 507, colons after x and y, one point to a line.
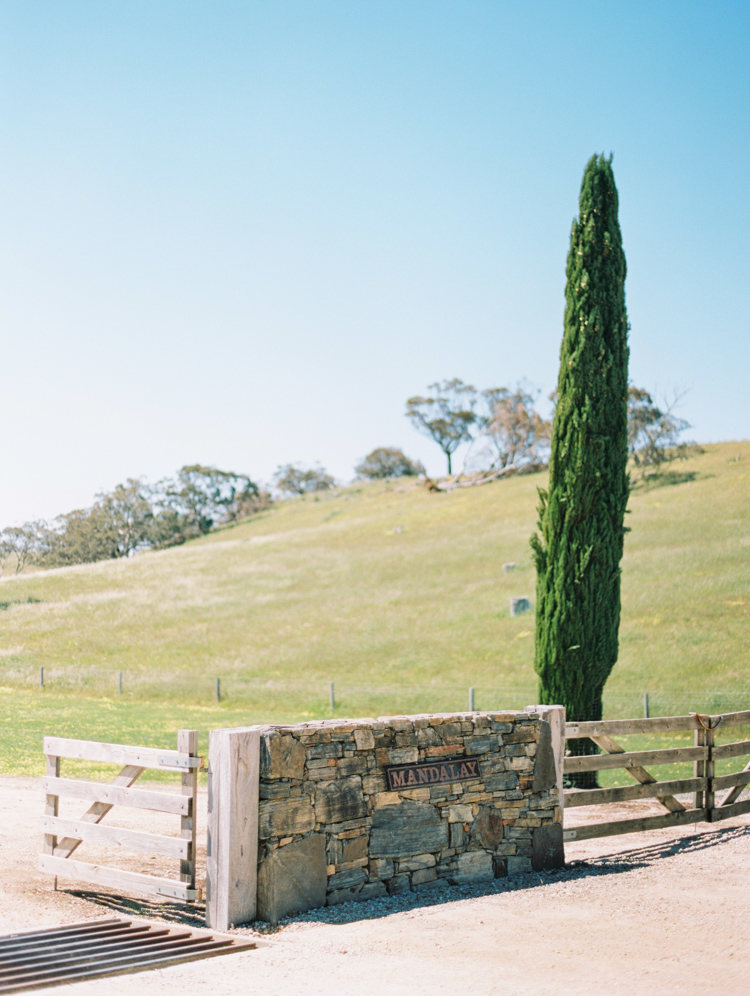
x: 291, y: 479
x: 388, y: 462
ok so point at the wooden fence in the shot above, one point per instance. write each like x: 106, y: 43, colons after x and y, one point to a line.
x: 62, y: 837
x: 703, y: 786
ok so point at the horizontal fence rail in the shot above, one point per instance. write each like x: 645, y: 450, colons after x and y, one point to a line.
x: 62, y: 836
x: 702, y: 788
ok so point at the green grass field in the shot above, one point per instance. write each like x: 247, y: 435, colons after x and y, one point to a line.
x: 396, y: 594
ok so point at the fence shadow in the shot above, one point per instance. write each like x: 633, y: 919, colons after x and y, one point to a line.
x: 144, y: 909
x: 644, y: 856
x: 618, y: 863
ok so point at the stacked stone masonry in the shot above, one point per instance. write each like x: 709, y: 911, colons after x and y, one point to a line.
x: 326, y: 813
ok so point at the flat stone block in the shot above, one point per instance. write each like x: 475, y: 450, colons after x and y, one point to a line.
x: 492, y: 764
x: 498, y: 726
x: 399, y: 884
x: 352, y: 766
x: 374, y: 783
x: 479, y: 745
x: 293, y: 879
x: 342, y: 829
x: 403, y: 755
x: 373, y: 890
x: 427, y: 737
x: 364, y: 739
x: 416, y: 795
x: 545, y: 773
x: 547, y: 850
x: 325, y: 750
x: 281, y: 757
x: 460, y: 814
x: 406, y: 739
x: 422, y: 876
x: 275, y: 790
x: 503, y: 781
x: 417, y: 863
x: 381, y: 868
x: 278, y: 817
x: 487, y: 829
x: 340, y: 801
x: 411, y: 828
x: 447, y: 750
x: 446, y: 730
x: 521, y: 764
x: 335, y: 851
x: 355, y: 848
x: 521, y: 735
x: 474, y: 866
x: 387, y: 799
x: 347, y: 879
x: 518, y: 865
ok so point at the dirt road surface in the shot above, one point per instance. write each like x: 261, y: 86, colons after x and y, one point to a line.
x: 657, y: 913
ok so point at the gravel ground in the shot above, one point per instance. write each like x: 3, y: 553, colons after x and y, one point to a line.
x: 662, y: 912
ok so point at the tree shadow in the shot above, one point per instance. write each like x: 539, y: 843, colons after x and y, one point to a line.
x: 19, y: 601
x: 667, y: 478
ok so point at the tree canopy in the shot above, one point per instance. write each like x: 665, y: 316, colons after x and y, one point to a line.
x: 135, y: 516
x: 388, y: 462
x: 294, y: 480
x: 447, y: 415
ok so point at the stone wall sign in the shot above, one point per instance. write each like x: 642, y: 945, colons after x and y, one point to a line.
x: 355, y: 809
x: 411, y: 776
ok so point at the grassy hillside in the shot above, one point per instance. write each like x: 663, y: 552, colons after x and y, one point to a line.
x: 396, y: 594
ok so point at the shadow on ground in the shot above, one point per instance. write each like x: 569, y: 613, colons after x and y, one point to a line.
x: 667, y: 478
x: 618, y: 863
x: 144, y: 909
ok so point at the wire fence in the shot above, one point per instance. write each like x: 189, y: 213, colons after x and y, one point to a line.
x: 341, y: 697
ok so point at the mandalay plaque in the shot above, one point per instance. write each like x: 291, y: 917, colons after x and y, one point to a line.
x: 426, y: 773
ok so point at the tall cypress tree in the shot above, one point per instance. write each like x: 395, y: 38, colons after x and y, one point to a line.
x: 580, y: 541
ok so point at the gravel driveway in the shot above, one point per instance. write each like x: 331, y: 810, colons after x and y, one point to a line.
x: 663, y: 912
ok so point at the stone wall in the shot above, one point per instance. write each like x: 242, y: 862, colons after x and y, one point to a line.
x: 330, y: 831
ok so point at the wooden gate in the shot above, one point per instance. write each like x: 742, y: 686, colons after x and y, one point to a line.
x: 735, y: 782
x: 702, y: 786
x: 62, y: 837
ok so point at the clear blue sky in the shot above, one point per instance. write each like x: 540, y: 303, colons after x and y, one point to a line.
x: 244, y: 233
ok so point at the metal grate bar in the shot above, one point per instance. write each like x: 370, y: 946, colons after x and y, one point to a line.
x: 77, y: 941
x: 108, y: 947
x: 56, y: 956
x: 89, y: 927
